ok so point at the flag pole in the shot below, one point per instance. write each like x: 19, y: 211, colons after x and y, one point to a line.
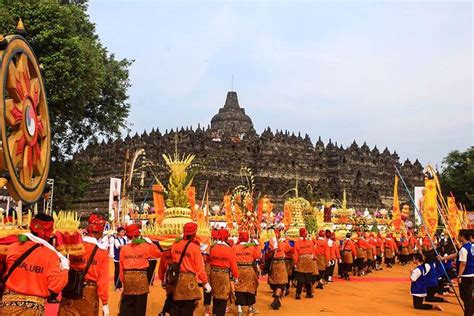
x: 426, y: 229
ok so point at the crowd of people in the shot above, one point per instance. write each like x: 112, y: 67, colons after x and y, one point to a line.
x: 227, y: 270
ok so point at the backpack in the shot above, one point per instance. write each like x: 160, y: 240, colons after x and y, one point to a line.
x: 74, y: 288
x: 172, y: 273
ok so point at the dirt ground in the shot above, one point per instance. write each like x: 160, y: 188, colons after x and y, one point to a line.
x: 381, y: 293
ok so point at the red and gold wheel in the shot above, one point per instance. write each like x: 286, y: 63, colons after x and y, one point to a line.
x: 24, y: 122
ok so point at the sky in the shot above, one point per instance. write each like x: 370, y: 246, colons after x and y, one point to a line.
x: 395, y: 74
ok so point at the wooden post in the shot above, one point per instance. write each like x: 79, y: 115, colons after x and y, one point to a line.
x: 18, y: 212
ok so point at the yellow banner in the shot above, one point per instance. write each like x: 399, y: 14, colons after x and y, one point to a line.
x: 453, y: 216
x: 430, y: 211
x: 396, y: 215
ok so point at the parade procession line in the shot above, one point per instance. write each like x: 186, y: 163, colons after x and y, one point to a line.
x: 381, y: 293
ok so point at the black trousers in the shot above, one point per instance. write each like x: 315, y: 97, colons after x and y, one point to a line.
x: 389, y: 261
x: 244, y: 299
x: 303, y: 279
x: 219, y: 306
x: 182, y: 308
x: 360, y: 264
x: 330, y: 270
x: 117, y: 282
x: 370, y: 263
x: 418, y: 303
x: 168, y: 304
x: 345, y: 268
x: 133, y: 305
x: 404, y: 259
x: 465, y: 291
x: 323, y: 274
x: 431, y: 295
x: 151, y: 270
x: 379, y: 259
x: 207, y: 298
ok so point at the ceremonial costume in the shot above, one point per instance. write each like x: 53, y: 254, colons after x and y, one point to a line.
x: 404, y: 251
x: 186, y: 292
x: 223, y: 268
x: 321, y: 253
x: 278, y: 276
x: 348, y: 252
x: 96, y: 281
x: 361, y: 249
x: 133, y: 272
x: 41, y: 274
x: 247, y: 256
x: 289, y: 264
x: 304, y: 264
x: 379, y: 251
x: 371, y: 253
x: 390, y: 249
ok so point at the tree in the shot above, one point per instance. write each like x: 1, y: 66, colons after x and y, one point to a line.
x: 86, y: 86
x: 457, y: 176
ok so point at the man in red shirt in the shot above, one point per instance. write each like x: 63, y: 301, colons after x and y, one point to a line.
x: 304, y: 264
x: 247, y: 254
x: 371, y: 253
x: 278, y: 275
x: 379, y: 251
x: 404, y: 251
x: 361, y: 249
x: 134, y: 261
x: 348, y: 252
x: 321, y: 253
x: 288, y: 257
x: 223, y: 271
x: 186, y: 292
x: 42, y: 273
x: 390, y: 250
x: 97, y: 278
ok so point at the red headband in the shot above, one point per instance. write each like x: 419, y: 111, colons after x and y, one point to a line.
x: 243, y: 236
x: 132, y: 230
x: 43, y: 229
x: 96, y: 223
x: 190, y: 229
x: 223, y: 234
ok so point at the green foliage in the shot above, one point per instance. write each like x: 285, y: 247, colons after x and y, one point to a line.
x: 311, y: 223
x: 86, y: 86
x: 72, y: 182
x: 457, y: 176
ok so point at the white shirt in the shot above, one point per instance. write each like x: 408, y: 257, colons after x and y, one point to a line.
x: 463, y: 258
x: 415, y: 274
x: 94, y: 241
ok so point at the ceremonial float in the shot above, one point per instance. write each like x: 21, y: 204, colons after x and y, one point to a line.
x: 180, y: 201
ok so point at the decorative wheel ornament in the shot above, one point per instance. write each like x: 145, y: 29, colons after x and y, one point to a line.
x: 24, y: 122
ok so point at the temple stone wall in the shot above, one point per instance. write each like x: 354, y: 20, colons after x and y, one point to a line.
x: 276, y: 158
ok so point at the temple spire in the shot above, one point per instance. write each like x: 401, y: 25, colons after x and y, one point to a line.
x: 231, y: 102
